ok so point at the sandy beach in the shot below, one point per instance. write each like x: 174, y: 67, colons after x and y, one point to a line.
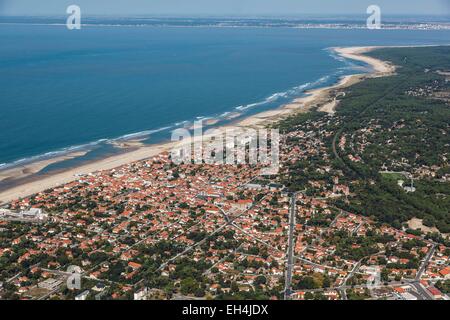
x: 23, y: 171
x: 324, y: 99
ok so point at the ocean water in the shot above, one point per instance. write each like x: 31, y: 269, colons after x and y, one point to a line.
x: 64, y: 90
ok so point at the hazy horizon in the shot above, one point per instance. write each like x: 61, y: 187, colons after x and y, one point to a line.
x: 243, y: 16
x: 287, y: 8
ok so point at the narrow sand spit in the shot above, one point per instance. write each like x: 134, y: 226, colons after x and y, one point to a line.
x: 26, y: 170
x: 325, y: 99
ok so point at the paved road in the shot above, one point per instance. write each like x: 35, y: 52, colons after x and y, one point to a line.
x: 423, y: 293
x: 425, y: 262
x: 343, y: 292
x: 358, y: 227
x: 335, y: 219
x: 290, y: 254
x: 336, y: 154
x: 351, y: 273
x: 342, y: 288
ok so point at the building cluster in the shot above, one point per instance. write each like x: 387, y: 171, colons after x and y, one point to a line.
x: 156, y: 230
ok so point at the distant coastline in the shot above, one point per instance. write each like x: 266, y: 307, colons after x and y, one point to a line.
x: 322, y: 98
x: 307, y: 22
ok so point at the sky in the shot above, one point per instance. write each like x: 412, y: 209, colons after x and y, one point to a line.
x: 224, y: 7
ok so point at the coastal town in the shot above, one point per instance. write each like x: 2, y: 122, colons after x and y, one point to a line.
x: 156, y: 230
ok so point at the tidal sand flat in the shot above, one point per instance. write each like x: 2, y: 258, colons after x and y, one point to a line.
x: 23, y: 171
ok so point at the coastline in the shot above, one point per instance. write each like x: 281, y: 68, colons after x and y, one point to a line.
x: 323, y: 98
x: 23, y: 171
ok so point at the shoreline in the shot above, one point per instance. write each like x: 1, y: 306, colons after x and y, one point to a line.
x: 24, y: 171
x: 325, y: 98
x: 322, y: 98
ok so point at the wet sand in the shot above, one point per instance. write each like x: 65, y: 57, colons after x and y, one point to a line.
x: 23, y: 171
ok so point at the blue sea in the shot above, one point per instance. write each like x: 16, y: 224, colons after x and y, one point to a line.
x: 64, y: 90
